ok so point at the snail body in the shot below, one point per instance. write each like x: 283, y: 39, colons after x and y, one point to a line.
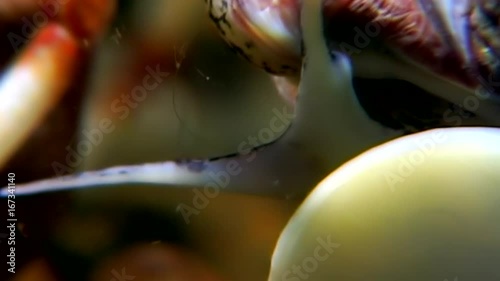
x: 287, y: 167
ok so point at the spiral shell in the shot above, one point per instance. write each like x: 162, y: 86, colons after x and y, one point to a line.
x: 264, y: 32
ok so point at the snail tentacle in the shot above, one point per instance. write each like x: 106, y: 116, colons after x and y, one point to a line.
x: 270, y: 170
x: 329, y: 116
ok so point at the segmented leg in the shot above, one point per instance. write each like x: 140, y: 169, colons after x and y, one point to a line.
x: 33, y: 85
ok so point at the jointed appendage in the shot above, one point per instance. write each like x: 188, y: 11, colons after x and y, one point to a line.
x: 33, y: 86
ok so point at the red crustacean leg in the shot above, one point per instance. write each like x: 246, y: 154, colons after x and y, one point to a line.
x: 63, y: 31
x: 34, y: 85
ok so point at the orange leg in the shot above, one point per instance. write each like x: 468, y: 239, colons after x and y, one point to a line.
x: 34, y: 84
x: 55, y: 35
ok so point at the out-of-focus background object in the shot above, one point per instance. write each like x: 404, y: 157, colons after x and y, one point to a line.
x: 422, y: 207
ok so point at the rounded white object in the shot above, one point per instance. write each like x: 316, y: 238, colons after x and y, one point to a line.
x: 421, y: 207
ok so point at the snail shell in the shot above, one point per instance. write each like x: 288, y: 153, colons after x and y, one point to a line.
x: 266, y: 33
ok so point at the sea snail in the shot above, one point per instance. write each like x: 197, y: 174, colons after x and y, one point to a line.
x: 422, y: 207
x: 329, y: 126
x: 289, y: 166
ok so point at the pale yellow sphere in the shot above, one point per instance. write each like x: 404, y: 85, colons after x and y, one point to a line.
x: 424, y: 207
